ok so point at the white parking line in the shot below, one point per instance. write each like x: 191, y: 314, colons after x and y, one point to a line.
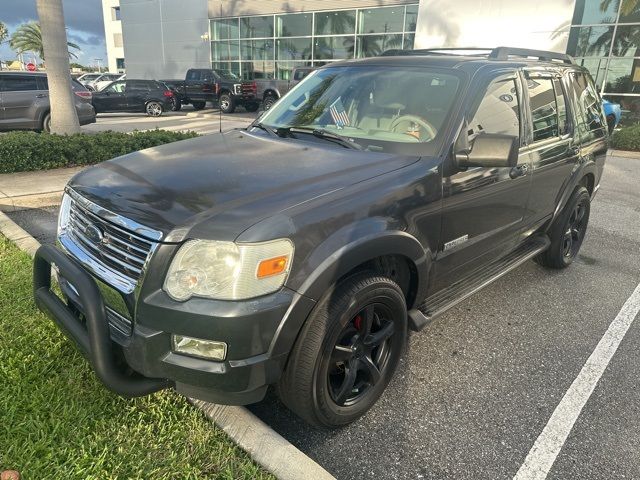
x: 548, y: 445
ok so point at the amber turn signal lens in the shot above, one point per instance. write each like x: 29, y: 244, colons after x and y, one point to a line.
x: 272, y: 266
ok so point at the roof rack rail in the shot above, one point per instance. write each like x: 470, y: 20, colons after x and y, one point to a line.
x: 503, y: 53
x: 499, y: 53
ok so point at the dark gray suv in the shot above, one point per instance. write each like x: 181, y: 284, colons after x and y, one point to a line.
x: 24, y: 102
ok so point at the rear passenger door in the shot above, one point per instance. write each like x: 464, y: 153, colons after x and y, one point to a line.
x: 552, y: 147
x: 19, y: 97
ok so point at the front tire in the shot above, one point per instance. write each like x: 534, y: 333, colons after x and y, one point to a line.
x: 347, y: 351
x: 226, y: 103
x: 269, y: 101
x: 568, y: 231
x: 154, y: 109
x: 176, y: 104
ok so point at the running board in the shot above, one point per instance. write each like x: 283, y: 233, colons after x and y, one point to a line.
x: 445, y: 299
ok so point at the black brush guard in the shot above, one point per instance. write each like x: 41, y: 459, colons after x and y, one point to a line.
x: 94, y: 338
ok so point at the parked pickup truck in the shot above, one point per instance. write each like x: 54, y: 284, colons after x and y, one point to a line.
x: 202, y: 85
x: 270, y: 90
x: 370, y: 199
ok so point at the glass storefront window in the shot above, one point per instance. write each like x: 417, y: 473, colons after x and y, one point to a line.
x: 256, y: 27
x: 293, y: 49
x: 329, y: 48
x: 233, y: 67
x: 590, y: 41
x: 409, y: 40
x: 590, y: 12
x: 294, y: 25
x: 627, y: 41
x: 381, y: 20
x: 256, y: 49
x: 224, y: 29
x: 225, y: 50
x: 597, y: 67
x: 258, y: 69
x: 374, y: 45
x: 336, y: 23
x: 411, y: 18
x: 284, y: 70
x: 629, y: 11
x: 623, y: 76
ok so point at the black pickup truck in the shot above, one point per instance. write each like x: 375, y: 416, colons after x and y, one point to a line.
x: 202, y: 85
x: 299, y: 252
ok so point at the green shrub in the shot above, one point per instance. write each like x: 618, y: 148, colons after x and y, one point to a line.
x: 627, y: 138
x: 26, y: 151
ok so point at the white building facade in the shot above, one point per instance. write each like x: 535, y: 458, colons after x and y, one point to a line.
x: 113, y: 35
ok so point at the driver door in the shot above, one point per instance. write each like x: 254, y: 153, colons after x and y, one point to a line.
x: 484, y: 208
x: 112, y: 98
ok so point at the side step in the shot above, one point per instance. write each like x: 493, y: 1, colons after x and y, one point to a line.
x: 462, y: 289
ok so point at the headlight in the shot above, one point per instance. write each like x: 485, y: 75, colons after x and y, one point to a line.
x: 228, y: 271
x: 65, y: 213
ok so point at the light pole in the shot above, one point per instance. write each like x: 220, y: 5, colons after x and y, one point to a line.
x: 98, y: 64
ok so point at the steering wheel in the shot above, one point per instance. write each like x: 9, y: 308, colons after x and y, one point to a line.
x: 426, y: 129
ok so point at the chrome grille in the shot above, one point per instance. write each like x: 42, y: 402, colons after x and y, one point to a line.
x: 113, y: 252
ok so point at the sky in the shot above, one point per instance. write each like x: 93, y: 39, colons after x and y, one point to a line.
x: 82, y: 17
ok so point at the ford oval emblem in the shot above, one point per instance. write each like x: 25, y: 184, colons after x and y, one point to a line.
x: 94, y: 233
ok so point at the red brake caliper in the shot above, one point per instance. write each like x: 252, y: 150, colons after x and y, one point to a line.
x: 357, y: 321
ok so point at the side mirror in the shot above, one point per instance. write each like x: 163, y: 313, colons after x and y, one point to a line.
x: 490, y: 150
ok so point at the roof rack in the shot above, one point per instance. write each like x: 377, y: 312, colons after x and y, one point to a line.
x: 499, y: 53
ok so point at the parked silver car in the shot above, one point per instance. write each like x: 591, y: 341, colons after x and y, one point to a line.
x: 24, y: 102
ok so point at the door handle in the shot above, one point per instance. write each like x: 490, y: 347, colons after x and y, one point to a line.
x: 519, y: 171
x: 42, y: 95
x: 575, y: 151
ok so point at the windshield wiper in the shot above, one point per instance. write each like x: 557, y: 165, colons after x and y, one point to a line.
x: 276, y: 132
x: 330, y: 136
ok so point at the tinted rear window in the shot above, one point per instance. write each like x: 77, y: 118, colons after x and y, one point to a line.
x: 18, y: 83
x: 193, y: 75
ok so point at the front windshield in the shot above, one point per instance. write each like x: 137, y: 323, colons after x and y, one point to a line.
x: 379, y: 108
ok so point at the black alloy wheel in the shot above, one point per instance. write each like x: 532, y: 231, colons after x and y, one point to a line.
x: 568, y: 231
x: 361, y: 355
x: 347, y: 351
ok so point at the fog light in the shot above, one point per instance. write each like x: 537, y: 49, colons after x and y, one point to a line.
x: 197, y: 347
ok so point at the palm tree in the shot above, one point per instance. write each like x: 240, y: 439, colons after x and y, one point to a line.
x: 28, y: 38
x: 4, y: 33
x: 628, y: 7
x: 64, y: 117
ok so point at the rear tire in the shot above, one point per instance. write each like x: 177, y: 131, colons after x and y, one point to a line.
x: 347, y: 351
x: 268, y: 102
x: 153, y: 109
x: 226, y: 103
x: 46, y: 123
x: 198, y: 105
x: 568, y: 231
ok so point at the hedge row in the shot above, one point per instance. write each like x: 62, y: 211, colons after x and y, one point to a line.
x: 26, y: 151
x: 627, y: 138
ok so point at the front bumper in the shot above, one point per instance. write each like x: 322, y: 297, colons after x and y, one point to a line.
x: 147, y: 351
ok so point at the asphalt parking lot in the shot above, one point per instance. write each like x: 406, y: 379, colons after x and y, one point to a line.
x: 478, y: 386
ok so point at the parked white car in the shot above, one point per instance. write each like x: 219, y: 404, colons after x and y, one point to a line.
x: 99, y: 85
x: 88, y: 77
x: 105, y: 77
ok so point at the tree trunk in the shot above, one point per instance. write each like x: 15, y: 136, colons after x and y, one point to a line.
x: 64, y: 117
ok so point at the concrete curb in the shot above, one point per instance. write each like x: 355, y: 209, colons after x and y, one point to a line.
x: 266, y: 447
x: 24, y: 202
x: 262, y: 443
x: 624, y: 154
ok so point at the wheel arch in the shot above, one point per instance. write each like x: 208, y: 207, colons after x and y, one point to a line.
x: 359, y: 255
x: 270, y: 92
x: 584, y: 176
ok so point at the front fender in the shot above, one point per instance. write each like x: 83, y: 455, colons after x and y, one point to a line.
x: 320, y: 275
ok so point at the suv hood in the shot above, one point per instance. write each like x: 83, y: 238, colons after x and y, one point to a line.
x: 237, y: 177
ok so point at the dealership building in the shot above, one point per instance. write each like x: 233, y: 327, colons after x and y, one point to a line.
x: 268, y: 38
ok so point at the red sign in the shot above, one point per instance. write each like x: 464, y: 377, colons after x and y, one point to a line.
x: 31, y: 67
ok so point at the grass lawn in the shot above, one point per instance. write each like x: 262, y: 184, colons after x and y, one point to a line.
x: 58, y: 422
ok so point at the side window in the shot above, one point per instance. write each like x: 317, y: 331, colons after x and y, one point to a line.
x: 19, y: 83
x: 590, y: 117
x: 544, y: 110
x: 561, y: 102
x: 43, y: 84
x: 207, y: 77
x: 116, y: 87
x: 193, y: 75
x: 499, y: 111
